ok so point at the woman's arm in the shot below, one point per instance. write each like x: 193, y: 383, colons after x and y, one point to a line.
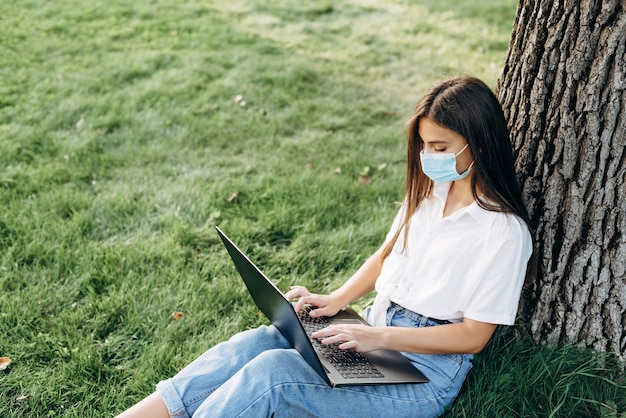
x: 361, y: 283
x: 468, y: 336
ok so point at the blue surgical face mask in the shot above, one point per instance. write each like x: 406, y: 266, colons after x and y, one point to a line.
x: 442, y: 167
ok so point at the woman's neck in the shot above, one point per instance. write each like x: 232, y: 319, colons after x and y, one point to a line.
x: 459, y: 196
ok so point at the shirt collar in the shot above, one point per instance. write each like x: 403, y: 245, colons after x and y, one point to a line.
x: 482, y: 216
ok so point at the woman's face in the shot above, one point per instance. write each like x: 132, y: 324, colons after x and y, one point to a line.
x: 438, y: 139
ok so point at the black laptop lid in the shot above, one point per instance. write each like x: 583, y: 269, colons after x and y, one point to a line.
x: 271, y: 301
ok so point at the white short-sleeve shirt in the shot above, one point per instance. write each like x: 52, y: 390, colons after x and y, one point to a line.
x: 470, y: 264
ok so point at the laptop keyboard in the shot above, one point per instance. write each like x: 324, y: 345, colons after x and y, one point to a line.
x: 349, y: 363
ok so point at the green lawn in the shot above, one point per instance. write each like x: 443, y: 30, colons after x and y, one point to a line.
x: 129, y: 129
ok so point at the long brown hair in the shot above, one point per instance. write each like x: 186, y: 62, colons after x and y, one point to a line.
x: 468, y: 107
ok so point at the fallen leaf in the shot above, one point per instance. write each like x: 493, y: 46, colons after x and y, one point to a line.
x: 23, y: 397
x: 233, y: 196
x: 364, y: 179
x: 337, y: 170
x: 4, y: 362
x: 178, y: 315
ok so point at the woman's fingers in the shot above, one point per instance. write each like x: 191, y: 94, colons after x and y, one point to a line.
x: 321, y: 307
x: 299, y: 292
x: 322, y: 304
x: 296, y: 292
x: 333, y: 334
x: 353, y: 337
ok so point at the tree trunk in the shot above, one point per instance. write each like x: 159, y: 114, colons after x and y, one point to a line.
x: 562, y: 91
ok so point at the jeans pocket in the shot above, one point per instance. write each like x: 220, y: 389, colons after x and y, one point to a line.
x: 456, y: 358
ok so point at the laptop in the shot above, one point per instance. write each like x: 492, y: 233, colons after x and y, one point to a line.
x: 337, y: 367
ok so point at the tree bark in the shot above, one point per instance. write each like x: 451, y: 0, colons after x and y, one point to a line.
x: 562, y: 89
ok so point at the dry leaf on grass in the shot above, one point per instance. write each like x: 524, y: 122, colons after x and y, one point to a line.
x: 4, y: 362
x: 365, y: 175
x: 178, y: 315
x: 233, y: 196
x: 23, y: 397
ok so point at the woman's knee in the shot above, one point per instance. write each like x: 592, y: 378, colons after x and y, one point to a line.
x: 278, y: 366
x: 263, y: 335
x: 288, y: 359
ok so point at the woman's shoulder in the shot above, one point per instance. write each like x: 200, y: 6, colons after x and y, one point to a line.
x: 509, y: 226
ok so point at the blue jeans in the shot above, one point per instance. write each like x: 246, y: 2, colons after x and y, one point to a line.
x: 257, y: 374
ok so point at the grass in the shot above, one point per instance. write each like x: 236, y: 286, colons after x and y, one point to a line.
x: 123, y: 141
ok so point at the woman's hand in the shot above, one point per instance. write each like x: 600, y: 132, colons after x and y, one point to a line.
x: 360, y: 338
x: 361, y: 283
x: 325, y: 305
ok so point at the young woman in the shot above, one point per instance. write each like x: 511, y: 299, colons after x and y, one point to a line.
x: 450, y: 270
